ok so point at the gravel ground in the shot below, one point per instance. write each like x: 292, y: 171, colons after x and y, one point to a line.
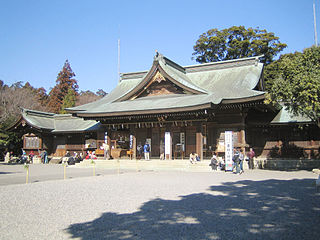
x: 16, y: 174
x: 258, y: 204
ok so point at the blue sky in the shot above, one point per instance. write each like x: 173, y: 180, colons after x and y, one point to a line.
x: 37, y: 36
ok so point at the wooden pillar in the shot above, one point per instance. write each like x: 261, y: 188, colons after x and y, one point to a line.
x: 243, y: 138
x: 134, y: 141
x: 109, y: 143
x: 199, y: 142
x: 243, y: 132
x: 109, y: 140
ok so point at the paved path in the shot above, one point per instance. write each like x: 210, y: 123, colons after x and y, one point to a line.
x: 258, y: 204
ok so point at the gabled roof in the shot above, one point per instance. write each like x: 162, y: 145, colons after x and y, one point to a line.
x: 170, y: 70
x: 204, y: 85
x: 56, y: 123
x: 285, y: 117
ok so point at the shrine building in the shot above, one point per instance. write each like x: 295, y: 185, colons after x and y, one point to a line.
x: 177, y: 110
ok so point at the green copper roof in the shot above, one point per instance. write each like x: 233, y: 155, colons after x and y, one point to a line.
x: 58, y: 122
x: 284, y: 117
x: 206, y: 85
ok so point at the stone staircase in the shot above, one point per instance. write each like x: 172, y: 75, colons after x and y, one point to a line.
x: 152, y: 165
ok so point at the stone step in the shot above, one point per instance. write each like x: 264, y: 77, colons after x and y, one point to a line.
x: 182, y: 165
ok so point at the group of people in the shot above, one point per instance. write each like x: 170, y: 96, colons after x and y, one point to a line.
x: 72, y: 159
x: 217, y: 163
x: 26, y: 158
x: 238, y: 161
x: 145, y: 149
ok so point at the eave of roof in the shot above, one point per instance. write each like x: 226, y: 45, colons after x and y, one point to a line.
x: 142, y: 112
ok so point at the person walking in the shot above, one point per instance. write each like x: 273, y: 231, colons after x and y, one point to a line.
x: 146, y: 149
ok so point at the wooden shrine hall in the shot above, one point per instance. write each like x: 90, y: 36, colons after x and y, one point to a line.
x: 179, y: 110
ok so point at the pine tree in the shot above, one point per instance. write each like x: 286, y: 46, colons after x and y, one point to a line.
x: 65, y: 82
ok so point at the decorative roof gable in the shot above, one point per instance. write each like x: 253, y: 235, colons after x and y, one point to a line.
x: 164, y: 78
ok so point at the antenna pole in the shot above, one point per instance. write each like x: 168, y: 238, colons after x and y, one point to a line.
x: 315, y: 25
x: 119, y: 60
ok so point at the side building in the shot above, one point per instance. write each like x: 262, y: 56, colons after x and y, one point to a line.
x: 56, y: 133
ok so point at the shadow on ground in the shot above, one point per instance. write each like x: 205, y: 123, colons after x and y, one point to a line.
x: 8, y: 172
x: 271, y: 209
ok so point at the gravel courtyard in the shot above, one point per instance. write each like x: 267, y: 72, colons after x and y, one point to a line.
x: 258, y: 204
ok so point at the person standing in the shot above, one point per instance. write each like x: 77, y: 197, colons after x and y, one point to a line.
x: 31, y: 155
x: 146, y: 149
x: 42, y: 157
x: 241, y: 159
x: 236, y: 160
x: 7, y: 157
x: 45, y: 156
x: 251, y: 154
x: 214, y: 162
x: 139, y: 149
x: 106, y: 149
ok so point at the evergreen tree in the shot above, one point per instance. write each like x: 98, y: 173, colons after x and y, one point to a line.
x: 65, y: 82
x: 236, y: 42
x: 68, y: 101
x: 294, y: 80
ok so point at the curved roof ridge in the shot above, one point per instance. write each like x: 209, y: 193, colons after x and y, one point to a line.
x: 180, y: 76
x: 36, y: 112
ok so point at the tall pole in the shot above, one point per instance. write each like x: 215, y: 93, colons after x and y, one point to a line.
x: 315, y: 25
x: 119, y: 59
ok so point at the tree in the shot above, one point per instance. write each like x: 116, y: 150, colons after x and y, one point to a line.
x: 236, y: 42
x: 294, y: 80
x: 101, y: 93
x: 69, y: 100
x: 14, y: 97
x: 11, y: 99
x: 87, y: 97
x: 65, y: 82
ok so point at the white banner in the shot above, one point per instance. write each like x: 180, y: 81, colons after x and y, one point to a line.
x: 228, y: 150
x: 167, y: 143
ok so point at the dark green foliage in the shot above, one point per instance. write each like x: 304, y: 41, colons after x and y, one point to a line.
x: 294, y: 80
x: 236, y: 42
x: 69, y: 100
